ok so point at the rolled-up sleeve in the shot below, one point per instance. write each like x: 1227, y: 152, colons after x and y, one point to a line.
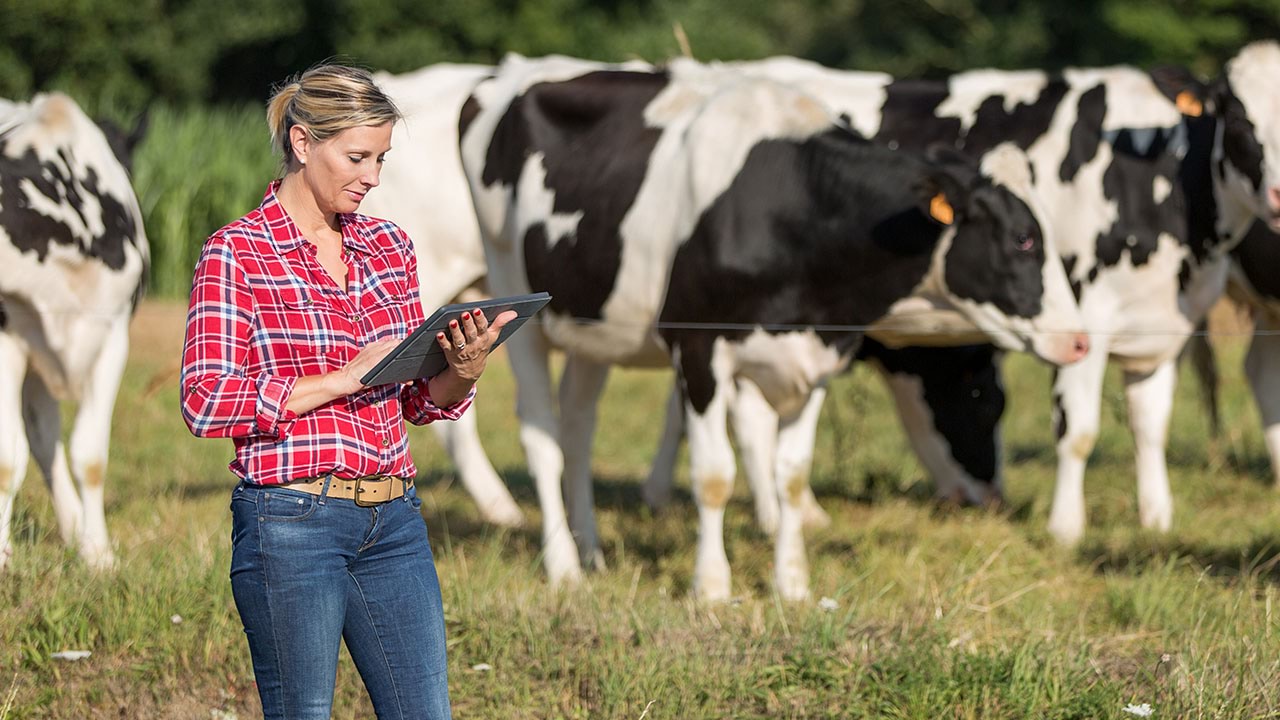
x: 218, y: 398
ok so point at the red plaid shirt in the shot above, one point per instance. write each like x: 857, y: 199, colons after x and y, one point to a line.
x: 264, y: 312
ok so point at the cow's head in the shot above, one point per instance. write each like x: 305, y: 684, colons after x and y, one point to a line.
x: 997, y: 263
x: 1246, y: 101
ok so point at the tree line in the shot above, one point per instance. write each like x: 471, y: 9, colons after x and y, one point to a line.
x: 117, y: 56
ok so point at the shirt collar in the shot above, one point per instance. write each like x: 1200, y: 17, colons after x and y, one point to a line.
x: 287, y: 237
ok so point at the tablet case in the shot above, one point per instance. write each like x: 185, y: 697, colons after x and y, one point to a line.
x: 420, y: 356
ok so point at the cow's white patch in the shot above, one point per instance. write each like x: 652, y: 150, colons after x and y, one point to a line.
x: 1160, y: 189
x: 969, y: 90
x: 858, y: 96
x: 786, y: 367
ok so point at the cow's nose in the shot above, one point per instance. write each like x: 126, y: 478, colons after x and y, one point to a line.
x: 1273, y: 199
x: 1079, y: 346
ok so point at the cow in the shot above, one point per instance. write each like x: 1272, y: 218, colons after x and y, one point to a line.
x: 1151, y: 180
x: 73, y: 261
x: 732, y: 228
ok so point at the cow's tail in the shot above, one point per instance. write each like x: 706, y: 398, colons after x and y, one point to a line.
x: 1204, y: 363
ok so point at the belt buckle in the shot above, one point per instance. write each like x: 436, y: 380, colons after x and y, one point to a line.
x: 360, y: 489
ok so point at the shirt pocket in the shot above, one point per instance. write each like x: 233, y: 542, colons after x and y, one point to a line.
x: 388, y: 318
x: 307, y: 324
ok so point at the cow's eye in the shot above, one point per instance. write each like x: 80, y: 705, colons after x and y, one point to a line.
x: 1025, y: 242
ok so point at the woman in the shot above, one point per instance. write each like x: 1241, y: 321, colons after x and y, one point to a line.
x: 291, y: 305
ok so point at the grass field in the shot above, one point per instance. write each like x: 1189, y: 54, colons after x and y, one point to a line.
x: 938, y: 612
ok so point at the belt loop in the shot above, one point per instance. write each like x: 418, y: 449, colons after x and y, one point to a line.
x: 324, y: 490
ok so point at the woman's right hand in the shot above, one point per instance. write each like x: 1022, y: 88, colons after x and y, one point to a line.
x: 311, y: 392
x: 347, y: 380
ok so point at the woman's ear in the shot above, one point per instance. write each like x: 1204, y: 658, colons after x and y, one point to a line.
x: 300, y: 142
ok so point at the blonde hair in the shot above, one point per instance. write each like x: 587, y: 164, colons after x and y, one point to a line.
x: 326, y: 100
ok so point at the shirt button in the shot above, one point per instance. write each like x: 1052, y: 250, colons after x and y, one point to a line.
x: 386, y: 442
x: 413, y: 390
x: 355, y: 317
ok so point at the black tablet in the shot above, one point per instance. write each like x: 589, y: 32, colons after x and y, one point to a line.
x: 420, y: 356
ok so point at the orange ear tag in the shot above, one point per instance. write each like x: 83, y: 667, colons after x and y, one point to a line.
x: 941, y: 210
x: 1188, y: 104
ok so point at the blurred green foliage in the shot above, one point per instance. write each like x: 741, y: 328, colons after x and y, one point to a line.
x: 119, y: 55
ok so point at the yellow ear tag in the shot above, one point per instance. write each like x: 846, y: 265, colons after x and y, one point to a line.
x: 941, y: 210
x: 1188, y: 104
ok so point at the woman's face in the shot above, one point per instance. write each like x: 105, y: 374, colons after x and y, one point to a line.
x: 340, y: 170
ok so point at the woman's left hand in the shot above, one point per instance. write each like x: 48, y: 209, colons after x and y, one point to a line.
x: 468, y: 341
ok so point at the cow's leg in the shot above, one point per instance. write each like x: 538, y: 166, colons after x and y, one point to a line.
x: 1150, y: 400
x: 580, y: 386
x: 657, y: 487
x: 90, y: 442
x: 539, y: 435
x: 13, y: 444
x: 1077, y: 393
x: 755, y: 427
x: 711, y: 470
x: 461, y: 440
x: 43, y: 422
x: 796, y: 437
x: 1262, y: 367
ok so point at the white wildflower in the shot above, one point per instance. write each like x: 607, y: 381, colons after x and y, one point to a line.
x: 828, y: 604
x: 482, y: 667
x: 71, y: 655
x: 175, y: 619
x: 1143, y: 710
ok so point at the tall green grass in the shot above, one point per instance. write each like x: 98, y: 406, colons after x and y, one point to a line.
x: 196, y: 170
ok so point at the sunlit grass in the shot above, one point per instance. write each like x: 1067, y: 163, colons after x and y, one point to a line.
x: 938, y: 612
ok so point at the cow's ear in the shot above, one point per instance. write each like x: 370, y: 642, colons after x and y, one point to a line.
x: 945, y: 188
x: 1188, y: 92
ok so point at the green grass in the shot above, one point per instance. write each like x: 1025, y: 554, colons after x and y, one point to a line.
x: 195, y: 171
x: 940, y: 612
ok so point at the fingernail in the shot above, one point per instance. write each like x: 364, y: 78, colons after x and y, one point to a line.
x: 440, y: 336
x: 466, y: 315
x: 453, y: 323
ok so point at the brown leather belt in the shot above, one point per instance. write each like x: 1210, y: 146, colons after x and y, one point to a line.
x: 365, y: 491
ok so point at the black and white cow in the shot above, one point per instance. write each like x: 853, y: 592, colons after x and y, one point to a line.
x: 726, y: 225
x: 1147, y: 203
x: 73, y: 257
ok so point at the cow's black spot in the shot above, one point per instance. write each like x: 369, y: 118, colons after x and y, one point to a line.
x: 1239, y: 137
x: 32, y: 231
x: 909, y: 118
x: 595, y: 148
x: 963, y: 391
x: 467, y: 115
x: 1086, y: 133
x: 1139, y: 157
x: 1059, y: 415
x: 1069, y: 267
x: 1258, y: 256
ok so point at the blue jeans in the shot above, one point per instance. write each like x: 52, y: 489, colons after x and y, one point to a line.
x: 307, y: 571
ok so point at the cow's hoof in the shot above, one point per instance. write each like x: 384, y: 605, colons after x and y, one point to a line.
x: 711, y: 587
x: 99, y: 559
x: 1067, y: 532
